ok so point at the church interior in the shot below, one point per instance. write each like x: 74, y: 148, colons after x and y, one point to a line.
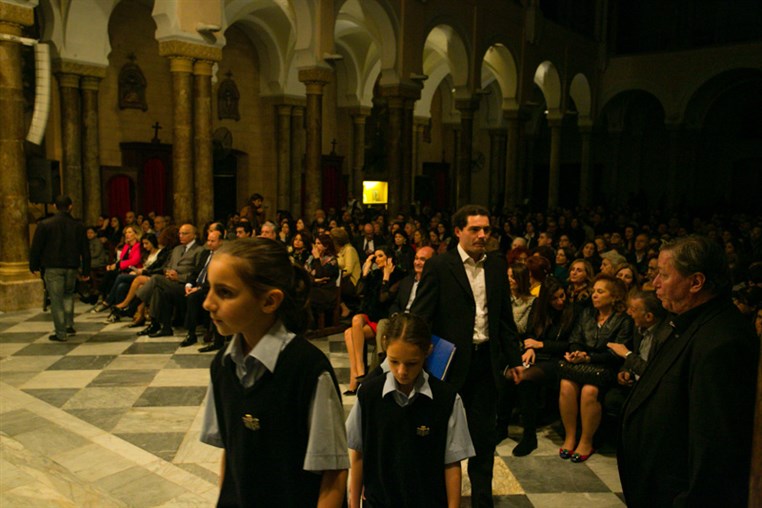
x: 185, y: 108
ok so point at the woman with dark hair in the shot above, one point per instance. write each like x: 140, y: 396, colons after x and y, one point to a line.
x: 590, y: 366
x: 589, y: 253
x: 521, y: 299
x: 564, y: 257
x: 324, y: 268
x: 539, y: 269
x: 628, y: 274
x: 378, y: 287
x: 403, y: 252
x: 518, y: 254
x: 545, y: 342
x: 284, y: 233
x: 301, y: 247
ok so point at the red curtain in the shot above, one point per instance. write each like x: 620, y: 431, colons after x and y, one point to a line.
x: 154, y: 186
x: 119, y: 195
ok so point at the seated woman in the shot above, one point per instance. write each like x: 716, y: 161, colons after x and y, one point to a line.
x: 539, y: 268
x: 167, y: 240
x: 131, y: 256
x: 564, y: 257
x: 151, y: 253
x: 580, y: 283
x: 589, y: 253
x: 628, y: 274
x: 301, y: 248
x: 324, y: 268
x: 546, y: 339
x: 590, y: 366
x: 378, y: 287
x: 284, y: 233
x: 403, y: 253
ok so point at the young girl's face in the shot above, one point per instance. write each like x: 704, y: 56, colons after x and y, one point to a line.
x: 231, y: 304
x: 405, y: 363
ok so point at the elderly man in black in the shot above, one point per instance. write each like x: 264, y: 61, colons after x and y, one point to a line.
x: 686, y: 428
x: 59, y: 248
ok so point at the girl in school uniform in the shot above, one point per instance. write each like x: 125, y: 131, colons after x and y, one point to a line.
x: 407, y: 433
x: 273, y: 400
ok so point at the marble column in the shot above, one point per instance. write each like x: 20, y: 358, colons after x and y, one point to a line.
x: 18, y: 288
x: 314, y: 80
x: 297, y: 159
x: 496, y: 167
x: 585, y: 190
x: 91, y: 166
x: 467, y: 108
x: 554, y: 177
x: 182, y: 152
x: 71, y: 126
x: 512, y: 195
x: 283, y: 200
x: 358, y: 150
x: 202, y: 135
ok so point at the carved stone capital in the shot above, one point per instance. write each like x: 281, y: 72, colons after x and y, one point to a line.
x: 14, y: 14
x: 61, y: 66
x: 68, y: 80
x: 180, y: 64
x: 315, y: 78
x: 90, y: 83
x: 170, y: 48
x: 203, y: 67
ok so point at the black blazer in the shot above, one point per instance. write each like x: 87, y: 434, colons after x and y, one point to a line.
x: 403, y: 295
x: 686, y: 428
x: 634, y: 363
x: 444, y: 298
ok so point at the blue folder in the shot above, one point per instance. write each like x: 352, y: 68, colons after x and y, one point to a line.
x: 438, y: 362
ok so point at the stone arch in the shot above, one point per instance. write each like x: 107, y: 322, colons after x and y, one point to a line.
x: 547, y: 78
x: 703, y: 97
x: 579, y: 92
x: 365, y: 35
x: 500, y: 64
x: 444, y: 54
x: 64, y: 29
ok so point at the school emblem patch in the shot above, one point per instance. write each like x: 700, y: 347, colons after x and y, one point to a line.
x: 250, y: 422
x: 422, y: 430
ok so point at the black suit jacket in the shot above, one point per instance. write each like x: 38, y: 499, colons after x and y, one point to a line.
x: 686, y: 428
x: 359, y: 243
x: 444, y: 298
x: 634, y: 363
x: 403, y: 295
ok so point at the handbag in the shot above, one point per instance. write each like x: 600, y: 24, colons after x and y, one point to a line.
x: 586, y: 373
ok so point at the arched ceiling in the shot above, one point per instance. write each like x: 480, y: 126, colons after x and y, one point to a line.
x: 444, y: 54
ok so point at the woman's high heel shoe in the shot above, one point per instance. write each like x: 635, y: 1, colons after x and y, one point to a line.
x: 113, y: 317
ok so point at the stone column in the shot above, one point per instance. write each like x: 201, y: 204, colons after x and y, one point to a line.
x: 18, y: 288
x: 496, y: 167
x: 71, y: 126
x: 554, y: 178
x: 297, y: 159
x: 674, y: 162
x: 394, y: 154
x: 182, y: 153
x: 358, y: 150
x: 407, y: 154
x: 202, y: 124
x: 283, y: 199
x: 91, y: 165
x: 512, y: 194
x: 585, y: 189
x: 467, y: 107
x: 419, y: 124
x: 314, y: 80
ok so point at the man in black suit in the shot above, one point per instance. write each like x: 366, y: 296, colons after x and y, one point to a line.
x: 686, y: 428
x: 408, y: 287
x: 367, y: 243
x: 465, y: 297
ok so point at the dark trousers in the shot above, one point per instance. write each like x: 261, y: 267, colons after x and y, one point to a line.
x: 479, y: 396
x: 194, y: 311
x: 166, y: 296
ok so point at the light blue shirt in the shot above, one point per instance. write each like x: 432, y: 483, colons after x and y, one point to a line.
x: 327, y: 444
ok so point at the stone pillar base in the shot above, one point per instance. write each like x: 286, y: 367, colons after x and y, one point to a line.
x: 20, y: 294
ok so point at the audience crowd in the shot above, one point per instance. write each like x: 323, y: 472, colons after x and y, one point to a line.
x: 581, y: 281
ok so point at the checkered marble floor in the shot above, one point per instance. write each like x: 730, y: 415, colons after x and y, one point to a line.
x: 110, y: 419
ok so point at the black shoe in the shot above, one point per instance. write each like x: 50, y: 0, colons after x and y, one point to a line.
x: 162, y: 332
x: 56, y: 338
x: 211, y: 347
x: 189, y: 341
x: 152, y: 328
x: 525, y: 446
x: 71, y: 331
